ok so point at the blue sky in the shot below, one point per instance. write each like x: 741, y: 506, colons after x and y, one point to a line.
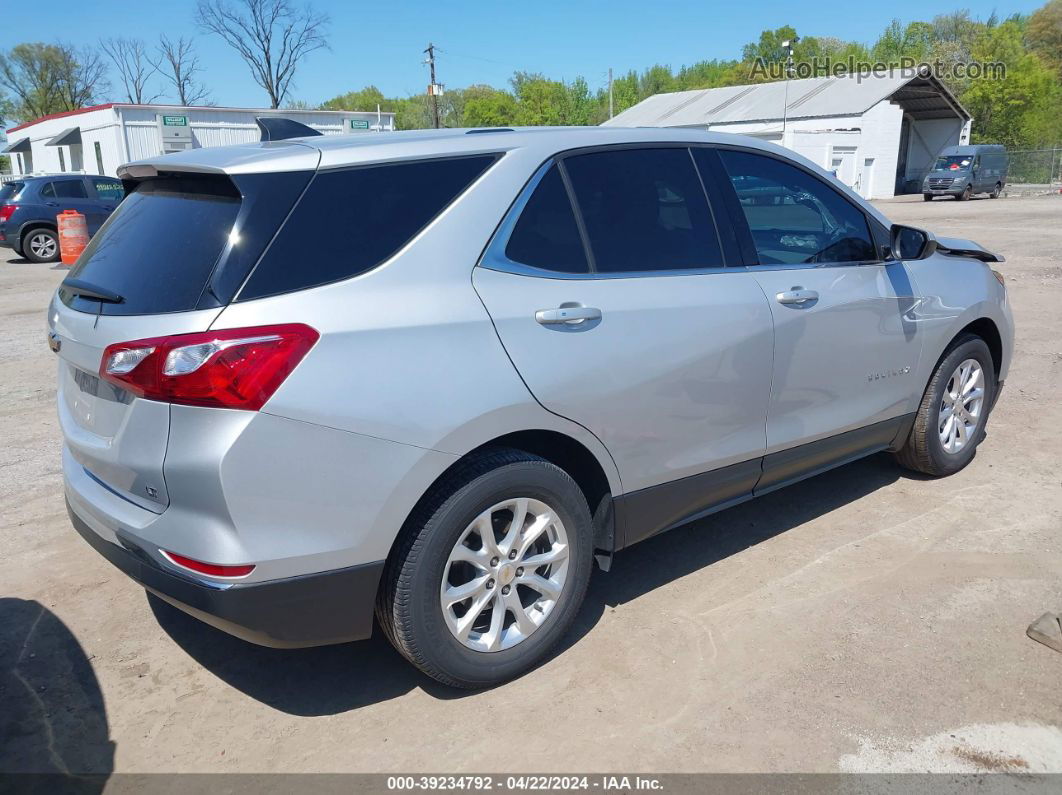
x: 381, y: 43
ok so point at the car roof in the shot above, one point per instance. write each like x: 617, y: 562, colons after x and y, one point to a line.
x: 333, y: 151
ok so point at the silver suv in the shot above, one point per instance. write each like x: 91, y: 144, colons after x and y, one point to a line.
x: 432, y: 376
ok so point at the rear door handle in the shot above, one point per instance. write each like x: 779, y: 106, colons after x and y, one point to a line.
x: 571, y: 315
x: 798, y: 295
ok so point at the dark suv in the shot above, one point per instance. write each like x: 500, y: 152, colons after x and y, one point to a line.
x: 28, y: 208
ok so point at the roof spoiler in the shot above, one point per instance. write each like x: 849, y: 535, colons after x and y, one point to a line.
x: 275, y: 128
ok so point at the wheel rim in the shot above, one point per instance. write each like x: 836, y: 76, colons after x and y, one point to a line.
x: 961, y: 406
x: 42, y: 246
x: 505, y: 575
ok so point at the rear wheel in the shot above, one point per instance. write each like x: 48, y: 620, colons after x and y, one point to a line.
x: 995, y: 191
x: 951, y: 419
x: 490, y: 572
x: 40, y: 245
x: 966, y: 194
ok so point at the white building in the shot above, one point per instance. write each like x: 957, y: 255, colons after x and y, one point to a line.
x: 879, y: 133
x: 97, y: 140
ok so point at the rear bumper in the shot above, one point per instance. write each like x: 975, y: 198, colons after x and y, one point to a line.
x: 308, y: 610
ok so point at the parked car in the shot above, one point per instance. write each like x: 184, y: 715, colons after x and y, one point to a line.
x: 962, y: 171
x: 526, y: 350
x: 28, y: 209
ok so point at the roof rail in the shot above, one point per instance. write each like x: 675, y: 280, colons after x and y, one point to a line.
x: 277, y: 128
x: 489, y: 130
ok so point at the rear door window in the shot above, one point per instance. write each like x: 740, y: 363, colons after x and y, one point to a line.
x: 65, y: 189
x: 546, y: 235
x: 351, y: 220
x: 644, y: 210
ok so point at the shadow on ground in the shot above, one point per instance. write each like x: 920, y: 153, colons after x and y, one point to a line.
x: 334, y: 679
x: 52, y: 717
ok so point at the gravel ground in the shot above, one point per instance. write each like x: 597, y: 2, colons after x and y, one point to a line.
x: 865, y: 620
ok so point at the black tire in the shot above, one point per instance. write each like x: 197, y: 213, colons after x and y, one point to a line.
x: 966, y: 194
x: 29, y: 243
x: 995, y: 191
x: 408, y: 607
x: 927, y: 197
x: 923, y: 451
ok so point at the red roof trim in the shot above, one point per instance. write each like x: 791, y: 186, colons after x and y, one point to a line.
x: 61, y: 115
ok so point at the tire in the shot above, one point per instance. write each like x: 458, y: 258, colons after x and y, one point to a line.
x: 925, y: 451
x: 410, y: 607
x: 995, y: 191
x: 966, y: 194
x: 927, y: 197
x: 40, y: 245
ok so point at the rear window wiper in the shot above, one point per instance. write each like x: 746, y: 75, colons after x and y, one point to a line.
x: 89, y: 290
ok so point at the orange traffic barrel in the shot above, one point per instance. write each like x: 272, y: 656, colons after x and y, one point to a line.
x: 73, y: 235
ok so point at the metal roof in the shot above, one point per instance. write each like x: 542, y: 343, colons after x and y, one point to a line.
x: 809, y: 98
x: 71, y: 135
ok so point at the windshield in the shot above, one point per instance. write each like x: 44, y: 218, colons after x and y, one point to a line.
x: 9, y: 190
x: 953, y: 163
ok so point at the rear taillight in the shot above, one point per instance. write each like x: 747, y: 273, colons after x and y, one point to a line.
x: 7, y: 211
x: 233, y: 368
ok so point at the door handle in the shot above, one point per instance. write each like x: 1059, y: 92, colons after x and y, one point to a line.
x: 570, y: 315
x: 798, y: 295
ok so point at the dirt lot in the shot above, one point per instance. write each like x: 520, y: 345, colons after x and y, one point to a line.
x: 865, y: 620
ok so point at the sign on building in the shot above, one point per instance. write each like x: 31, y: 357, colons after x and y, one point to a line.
x: 175, y: 132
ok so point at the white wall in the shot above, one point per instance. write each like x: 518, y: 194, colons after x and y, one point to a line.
x: 127, y: 133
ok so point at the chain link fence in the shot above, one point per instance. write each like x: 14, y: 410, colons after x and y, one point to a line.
x: 1036, y: 167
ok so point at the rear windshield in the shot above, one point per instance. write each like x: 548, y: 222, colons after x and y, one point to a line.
x: 158, y: 249
x: 9, y: 190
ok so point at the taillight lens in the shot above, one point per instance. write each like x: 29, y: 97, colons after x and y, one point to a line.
x: 7, y: 210
x: 233, y: 368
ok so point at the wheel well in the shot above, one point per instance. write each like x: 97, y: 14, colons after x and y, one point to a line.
x: 563, y: 451
x: 31, y: 225
x: 986, y: 330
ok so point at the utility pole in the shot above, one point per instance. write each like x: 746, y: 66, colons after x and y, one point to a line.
x: 610, y: 92
x: 433, y: 89
x: 788, y: 46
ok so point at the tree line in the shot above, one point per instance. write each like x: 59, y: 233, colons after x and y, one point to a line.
x: 1023, y: 111
x: 273, y: 37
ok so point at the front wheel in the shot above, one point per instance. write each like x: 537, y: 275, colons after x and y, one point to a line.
x: 966, y: 194
x: 490, y: 571
x: 950, y: 421
x: 927, y: 197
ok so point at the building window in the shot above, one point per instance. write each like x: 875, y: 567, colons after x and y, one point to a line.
x: 99, y: 158
x: 62, y: 160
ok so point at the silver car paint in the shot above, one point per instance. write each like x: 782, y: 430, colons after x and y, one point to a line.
x: 410, y: 373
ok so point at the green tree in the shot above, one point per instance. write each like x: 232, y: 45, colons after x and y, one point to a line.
x: 50, y: 78
x: 1044, y: 34
x: 364, y: 99
x: 486, y: 106
x: 1023, y: 111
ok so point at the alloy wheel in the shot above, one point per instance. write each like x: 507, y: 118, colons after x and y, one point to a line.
x: 961, y: 406
x: 505, y: 574
x: 42, y: 246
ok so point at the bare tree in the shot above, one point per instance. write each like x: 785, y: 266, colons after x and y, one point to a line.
x: 180, y: 65
x: 271, y: 36
x: 135, y: 67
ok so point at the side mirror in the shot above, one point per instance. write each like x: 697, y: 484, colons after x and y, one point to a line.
x: 907, y: 242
